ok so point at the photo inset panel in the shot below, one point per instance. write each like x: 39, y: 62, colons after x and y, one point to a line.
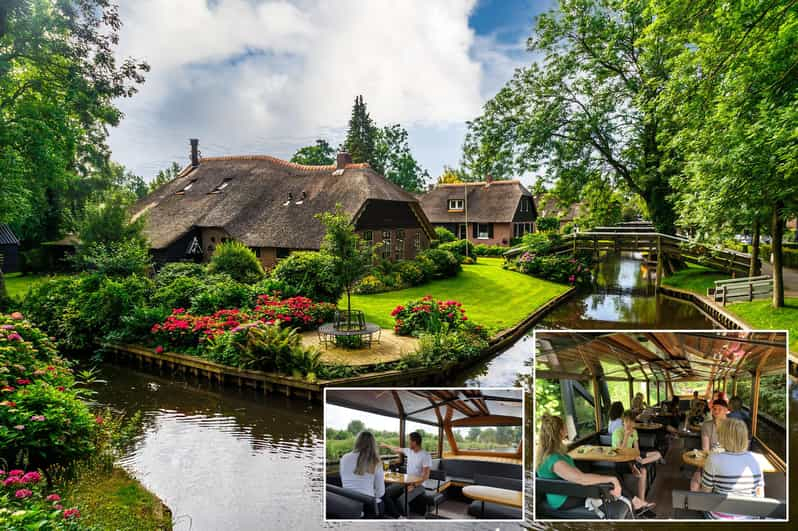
x: 443, y: 454
x: 665, y: 425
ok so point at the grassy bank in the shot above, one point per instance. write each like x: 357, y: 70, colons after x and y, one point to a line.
x: 492, y: 296
x: 695, y: 278
x: 114, y: 500
x: 761, y: 315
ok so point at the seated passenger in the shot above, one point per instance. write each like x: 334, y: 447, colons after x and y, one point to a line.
x: 361, y: 471
x: 616, y: 410
x: 554, y: 463
x: 626, y: 437
x: 419, y: 463
x: 734, y: 471
x: 709, y: 435
x: 638, y: 403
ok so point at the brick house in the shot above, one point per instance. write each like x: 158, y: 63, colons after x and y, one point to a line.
x: 270, y: 205
x: 493, y: 212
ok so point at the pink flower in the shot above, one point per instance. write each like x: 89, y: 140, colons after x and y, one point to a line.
x: 13, y: 336
x: 31, y: 477
x: 58, y: 506
x: 37, y: 418
x: 16, y: 472
x: 7, y: 327
x: 13, y: 480
x: 19, y: 427
x: 72, y: 513
x: 17, y: 316
x: 98, y: 420
x: 23, y: 381
x: 23, y: 493
x: 159, y: 349
x: 53, y: 498
x: 571, y: 279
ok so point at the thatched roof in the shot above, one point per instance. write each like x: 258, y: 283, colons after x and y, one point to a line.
x: 250, y: 208
x: 548, y: 206
x: 488, y: 202
x: 7, y: 236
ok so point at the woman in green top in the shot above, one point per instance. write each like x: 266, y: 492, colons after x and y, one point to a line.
x: 626, y: 437
x: 555, y: 463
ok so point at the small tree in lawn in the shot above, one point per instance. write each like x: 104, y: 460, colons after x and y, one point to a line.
x: 352, y: 255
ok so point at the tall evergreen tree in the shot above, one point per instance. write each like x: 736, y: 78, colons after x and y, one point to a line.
x: 361, y: 137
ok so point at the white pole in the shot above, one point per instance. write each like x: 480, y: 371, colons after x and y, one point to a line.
x: 465, y: 205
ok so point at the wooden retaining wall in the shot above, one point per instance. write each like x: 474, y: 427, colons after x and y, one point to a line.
x: 269, y: 383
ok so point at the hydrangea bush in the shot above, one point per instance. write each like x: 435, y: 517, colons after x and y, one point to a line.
x: 26, y: 503
x: 427, y: 315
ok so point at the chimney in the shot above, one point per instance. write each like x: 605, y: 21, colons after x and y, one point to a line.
x: 342, y: 160
x: 194, y: 152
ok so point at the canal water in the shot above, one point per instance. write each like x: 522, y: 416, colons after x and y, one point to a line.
x: 225, y: 459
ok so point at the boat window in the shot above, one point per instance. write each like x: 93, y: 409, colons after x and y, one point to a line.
x: 343, y: 425
x: 684, y: 389
x: 429, y: 435
x: 770, y: 426
x: 499, y: 439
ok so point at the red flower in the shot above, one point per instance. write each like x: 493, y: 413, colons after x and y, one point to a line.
x: 61, y: 388
x: 53, y: 498
x: 72, y: 513
x: 23, y: 493
x: 159, y: 349
x: 7, y: 389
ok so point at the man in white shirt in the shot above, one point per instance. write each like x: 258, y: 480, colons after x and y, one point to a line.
x: 419, y: 463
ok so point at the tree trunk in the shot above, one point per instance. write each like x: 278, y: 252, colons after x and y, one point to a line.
x: 754, y: 268
x: 777, y: 232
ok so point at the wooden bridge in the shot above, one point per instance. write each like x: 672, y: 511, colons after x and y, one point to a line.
x: 642, y: 237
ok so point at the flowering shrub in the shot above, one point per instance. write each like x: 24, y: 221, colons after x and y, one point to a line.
x: 295, y: 311
x: 555, y: 268
x: 43, y: 420
x: 427, y: 315
x: 26, y: 503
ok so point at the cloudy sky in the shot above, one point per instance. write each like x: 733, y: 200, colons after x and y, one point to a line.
x: 270, y: 76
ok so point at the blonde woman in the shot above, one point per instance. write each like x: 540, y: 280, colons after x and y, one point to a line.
x: 638, y: 403
x: 734, y: 471
x: 555, y: 463
x: 626, y: 437
x: 361, y: 471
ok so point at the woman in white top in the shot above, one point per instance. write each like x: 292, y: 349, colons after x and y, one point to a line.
x: 361, y: 471
x: 734, y: 471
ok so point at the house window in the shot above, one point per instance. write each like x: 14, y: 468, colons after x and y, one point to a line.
x: 519, y: 229
x: 255, y: 250
x: 368, y: 237
x: 400, y: 244
x: 221, y: 186
x: 283, y: 252
x: 455, y: 204
x: 462, y: 231
x: 417, y: 242
x: 524, y: 204
x: 386, y: 244
x: 483, y: 231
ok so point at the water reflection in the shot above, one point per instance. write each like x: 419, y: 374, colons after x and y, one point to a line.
x: 225, y: 460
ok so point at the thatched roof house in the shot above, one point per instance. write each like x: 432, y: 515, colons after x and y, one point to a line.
x: 549, y: 207
x: 494, y: 212
x: 270, y: 205
x: 9, y: 250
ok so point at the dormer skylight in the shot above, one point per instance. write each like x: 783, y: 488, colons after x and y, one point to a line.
x: 221, y: 186
x: 187, y: 187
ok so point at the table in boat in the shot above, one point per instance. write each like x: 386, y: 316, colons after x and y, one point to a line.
x: 404, y: 480
x: 589, y: 452
x: 648, y: 425
x: 511, y: 498
x: 697, y: 458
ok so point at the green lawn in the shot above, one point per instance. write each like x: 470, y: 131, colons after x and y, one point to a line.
x: 695, y: 278
x: 18, y: 284
x: 760, y: 314
x: 492, y: 297
x: 114, y: 500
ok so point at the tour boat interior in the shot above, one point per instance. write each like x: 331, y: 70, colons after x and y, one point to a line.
x: 475, y: 439
x: 579, y: 375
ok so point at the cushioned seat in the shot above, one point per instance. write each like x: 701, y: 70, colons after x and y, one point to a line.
x: 432, y: 496
x: 464, y: 470
x: 493, y: 511
x: 369, y: 506
x: 342, y: 508
x: 612, y: 509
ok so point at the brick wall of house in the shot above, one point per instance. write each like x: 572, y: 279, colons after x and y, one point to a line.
x: 502, y: 234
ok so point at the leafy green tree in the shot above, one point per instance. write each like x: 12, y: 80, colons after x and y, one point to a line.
x: 352, y: 256
x: 319, y: 154
x: 164, y: 176
x: 733, y: 93
x: 548, y: 223
x: 361, y: 137
x: 393, y: 159
x: 355, y: 426
x: 238, y: 261
x: 473, y: 434
x: 602, y: 205
x: 59, y: 80
x: 452, y: 175
x: 587, y: 109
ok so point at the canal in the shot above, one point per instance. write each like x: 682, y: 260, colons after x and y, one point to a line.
x: 227, y: 459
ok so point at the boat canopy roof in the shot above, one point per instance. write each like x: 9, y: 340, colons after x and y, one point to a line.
x: 450, y: 407
x: 660, y: 355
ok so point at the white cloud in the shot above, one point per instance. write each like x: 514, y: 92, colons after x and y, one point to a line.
x: 271, y: 76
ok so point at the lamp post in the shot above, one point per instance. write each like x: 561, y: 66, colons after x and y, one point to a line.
x: 465, y: 209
